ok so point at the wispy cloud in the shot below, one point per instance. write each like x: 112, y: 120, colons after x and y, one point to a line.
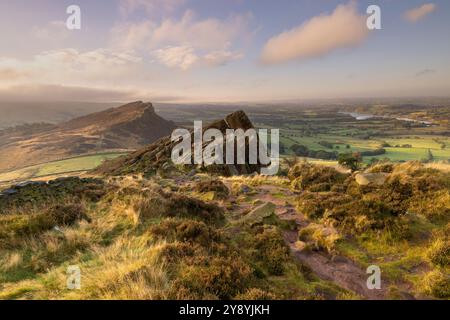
x: 345, y: 27
x: 417, y: 14
x: 425, y: 72
x: 221, y: 57
x: 67, y: 65
x: 38, y: 92
x: 151, y: 7
x: 195, y: 41
x: 8, y: 71
x: 185, y: 57
x: 54, y: 30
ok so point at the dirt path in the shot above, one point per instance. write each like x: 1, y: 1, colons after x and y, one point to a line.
x: 338, y: 269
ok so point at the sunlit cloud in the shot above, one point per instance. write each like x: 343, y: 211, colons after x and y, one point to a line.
x: 321, y: 35
x: 185, y: 58
x: 416, y: 14
x: 67, y: 65
x: 182, y: 57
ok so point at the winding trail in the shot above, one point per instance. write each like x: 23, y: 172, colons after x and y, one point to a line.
x: 338, y: 269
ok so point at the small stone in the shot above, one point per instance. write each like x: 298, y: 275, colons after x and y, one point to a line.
x: 257, y: 202
x: 258, y: 214
x: 9, y: 192
x: 300, y: 245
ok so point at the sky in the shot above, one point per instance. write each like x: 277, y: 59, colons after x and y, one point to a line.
x: 223, y: 50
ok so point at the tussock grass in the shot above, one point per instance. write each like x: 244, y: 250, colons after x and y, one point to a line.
x: 140, y: 238
x: 258, y: 180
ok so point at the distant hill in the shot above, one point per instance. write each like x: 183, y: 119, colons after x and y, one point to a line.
x: 126, y: 127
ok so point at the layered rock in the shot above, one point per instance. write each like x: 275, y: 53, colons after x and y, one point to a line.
x: 157, y: 156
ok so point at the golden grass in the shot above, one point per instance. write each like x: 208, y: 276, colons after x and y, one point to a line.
x: 259, y: 180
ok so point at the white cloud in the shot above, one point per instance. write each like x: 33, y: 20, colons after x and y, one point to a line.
x: 182, y: 57
x: 185, y: 57
x: 419, y: 13
x: 194, y: 39
x: 205, y: 34
x: 345, y: 27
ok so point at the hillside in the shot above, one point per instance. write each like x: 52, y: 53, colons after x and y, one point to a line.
x: 126, y: 127
x: 310, y: 235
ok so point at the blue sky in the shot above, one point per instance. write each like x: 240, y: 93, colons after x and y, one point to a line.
x: 223, y: 50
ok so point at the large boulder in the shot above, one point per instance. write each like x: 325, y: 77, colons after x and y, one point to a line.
x: 373, y: 179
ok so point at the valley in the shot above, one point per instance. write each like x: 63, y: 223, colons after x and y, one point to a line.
x: 316, y: 133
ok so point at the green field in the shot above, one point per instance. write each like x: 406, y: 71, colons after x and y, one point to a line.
x: 418, y: 151
x: 76, y: 164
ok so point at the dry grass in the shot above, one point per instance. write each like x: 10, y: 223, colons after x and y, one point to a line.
x: 144, y: 241
x: 258, y: 180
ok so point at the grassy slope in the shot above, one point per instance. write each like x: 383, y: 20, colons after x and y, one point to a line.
x: 122, y: 257
x: 82, y: 163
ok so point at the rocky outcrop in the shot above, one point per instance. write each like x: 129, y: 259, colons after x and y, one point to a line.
x: 157, y: 156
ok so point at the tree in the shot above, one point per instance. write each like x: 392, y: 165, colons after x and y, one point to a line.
x: 350, y: 160
x: 300, y: 150
x: 429, y: 157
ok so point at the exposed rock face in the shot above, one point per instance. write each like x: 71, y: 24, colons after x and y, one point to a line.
x: 130, y: 126
x: 375, y: 179
x: 153, y: 157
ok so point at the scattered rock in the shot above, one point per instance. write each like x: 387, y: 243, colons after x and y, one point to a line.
x: 300, y: 245
x: 257, y: 215
x: 245, y: 189
x: 9, y: 192
x: 257, y: 202
x: 29, y: 183
x: 377, y: 179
